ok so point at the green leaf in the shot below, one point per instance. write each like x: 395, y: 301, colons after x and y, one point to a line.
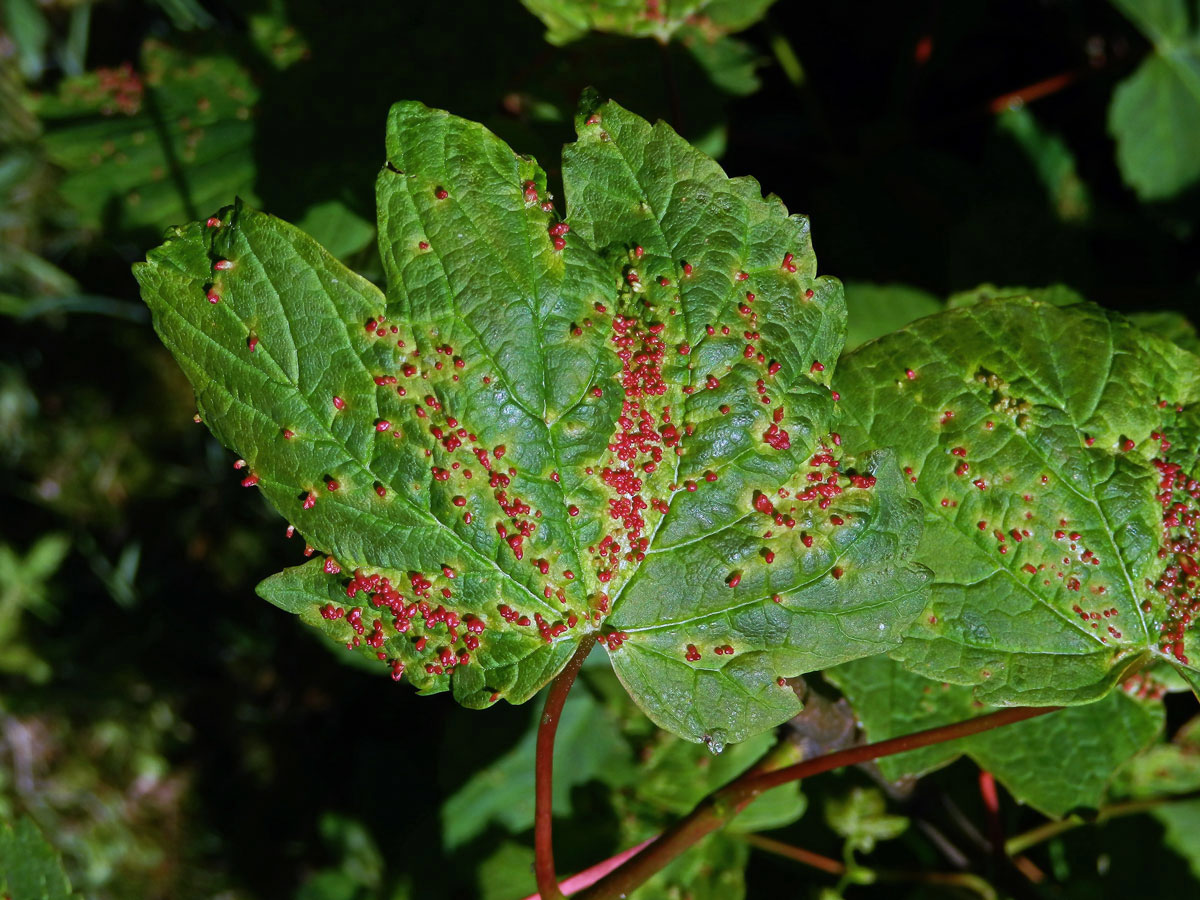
x: 677, y: 775
x: 1192, y: 678
x: 337, y: 228
x: 673, y: 778
x: 1053, y: 161
x: 1054, y: 294
x: 360, y: 871
x: 569, y: 20
x: 873, y: 310
x: 24, y: 586
x: 861, y: 818
x: 1049, y: 447
x: 1155, y: 119
x: 1155, y: 112
x: 588, y: 746
x: 186, y: 14
x: 1055, y: 763
x: 1170, y: 325
x: 29, y: 30
x: 1159, y: 20
x: 714, y: 869
x: 703, y: 26
x: 30, y: 869
x: 1166, y: 767
x: 534, y: 434
x: 150, y: 147
x: 507, y: 873
x: 1181, y: 824
x: 731, y: 64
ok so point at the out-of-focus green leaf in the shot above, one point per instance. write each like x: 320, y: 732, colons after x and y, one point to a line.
x: 1055, y: 763
x: 101, y: 790
x: 873, y: 310
x: 1053, y: 161
x: 861, y: 817
x: 186, y: 14
x: 547, y: 428
x: 1159, y: 20
x: 1049, y: 447
x: 1181, y: 822
x: 674, y: 776
x: 74, y: 50
x: 1171, y: 325
x: 360, y: 872
x: 588, y: 746
x: 507, y: 874
x: 569, y: 20
x: 278, y: 40
x: 337, y: 228
x: 731, y: 64
x: 703, y: 26
x: 30, y: 32
x: 1155, y: 112
x: 30, y: 869
x: 62, y: 304
x: 714, y: 869
x: 1169, y: 767
x: 155, y: 146
x: 1054, y: 294
x: 23, y: 587
x: 677, y: 775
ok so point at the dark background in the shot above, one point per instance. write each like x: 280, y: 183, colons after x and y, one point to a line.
x: 193, y: 736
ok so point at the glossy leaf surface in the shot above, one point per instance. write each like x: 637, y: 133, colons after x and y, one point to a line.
x: 1055, y: 452
x: 616, y: 422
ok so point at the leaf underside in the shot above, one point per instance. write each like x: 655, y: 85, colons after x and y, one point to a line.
x: 535, y: 434
x: 1055, y: 453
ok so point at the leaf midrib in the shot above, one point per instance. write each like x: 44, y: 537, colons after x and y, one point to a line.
x: 673, y: 247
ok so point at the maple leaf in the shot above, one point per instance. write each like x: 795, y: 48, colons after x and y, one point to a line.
x: 617, y: 422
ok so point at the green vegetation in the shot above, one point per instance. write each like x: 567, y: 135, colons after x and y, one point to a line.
x: 561, y: 406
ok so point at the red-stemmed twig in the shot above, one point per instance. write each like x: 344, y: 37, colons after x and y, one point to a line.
x: 543, y: 816
x: 799, y: 854
x: 1031, y: 92
x: 722, y: 805
x: 963, y: 880
x: 592, y: 874
x: 991, y: 805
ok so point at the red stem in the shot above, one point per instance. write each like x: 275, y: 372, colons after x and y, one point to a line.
x: 1029, y: 93
x: 721, y: 806
x: 592, y: 874
x: 543, y: 815
x: 991, y: 804
x: 799, y: 854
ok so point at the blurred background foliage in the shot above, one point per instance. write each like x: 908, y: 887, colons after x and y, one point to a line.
x: 165, y: 734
